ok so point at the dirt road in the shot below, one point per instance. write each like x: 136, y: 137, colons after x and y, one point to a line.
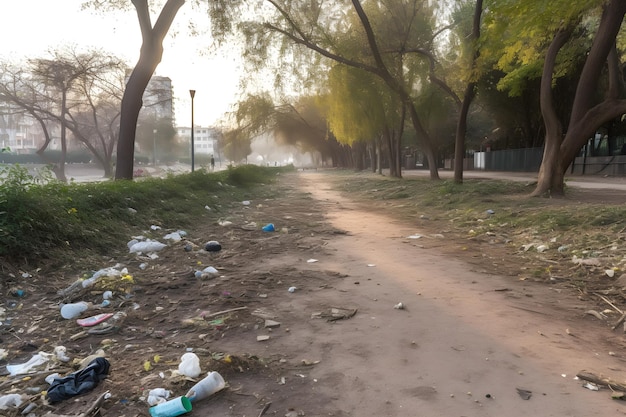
x: 464, y: 342
x: 462, y: 345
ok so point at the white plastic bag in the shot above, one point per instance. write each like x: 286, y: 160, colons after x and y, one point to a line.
x: 189, y: 365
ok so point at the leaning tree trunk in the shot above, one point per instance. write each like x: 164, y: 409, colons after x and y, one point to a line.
x: 150, y: 56
x: 551, y: 163
x: 586, y: 116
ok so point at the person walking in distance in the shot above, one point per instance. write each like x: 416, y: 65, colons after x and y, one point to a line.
x: 212, y: 163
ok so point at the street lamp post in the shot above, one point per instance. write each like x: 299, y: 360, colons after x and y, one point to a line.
x: 192, y: 93
x: 154, y: 132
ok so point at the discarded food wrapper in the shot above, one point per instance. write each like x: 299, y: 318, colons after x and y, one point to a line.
x: 292, y: 289
x: 268, y: 227
x: 311, y: 261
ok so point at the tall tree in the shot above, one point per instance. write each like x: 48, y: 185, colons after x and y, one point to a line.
x: 80, y: 92
x: 319, y: 28
x: 588, y: 111
x: 540, y: 39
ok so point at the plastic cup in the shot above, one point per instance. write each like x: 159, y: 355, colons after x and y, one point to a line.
x: 171, y: 408
x: 206, y: 387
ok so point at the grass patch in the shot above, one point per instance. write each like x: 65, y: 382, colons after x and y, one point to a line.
x: 48, y: 221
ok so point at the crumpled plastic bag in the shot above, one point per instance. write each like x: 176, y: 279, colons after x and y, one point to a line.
x: 189, y: 365
x: 79, y: 382
x: 10, y: 401
x: 148, y: 246
x: 157, y: 396
x: 23, y: 368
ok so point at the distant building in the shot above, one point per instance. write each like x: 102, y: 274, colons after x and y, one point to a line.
x: 157, y: 98
x: 204, y: 139
x: 23, y: 134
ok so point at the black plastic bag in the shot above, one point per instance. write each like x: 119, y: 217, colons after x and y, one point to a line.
x: 79, y: 382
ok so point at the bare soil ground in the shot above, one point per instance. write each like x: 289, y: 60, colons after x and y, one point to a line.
x: 341, y: 348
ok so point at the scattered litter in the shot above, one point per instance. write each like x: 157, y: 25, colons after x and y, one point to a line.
x: 93, y: 320
x: 524, y: 394
x: 271, y: 324
x: 591, y: 386
x: 490, y: 212
x: 109, y: 325
x: 542, y: 248
x: 73, y: 310
x: 311, y: 261
x: 399, y: 306
x: 10, y: 401
x: 60, y: 352
x: 292, y: 289
x: 176, y: 237
x: 158, y: 396
x: 33, y: 363
x: 147, y: 246
x: 414, y: 237
x: 171, y: 408
x: 224, y: 223
x: 610, y: 273
x: 250, y: 226
x: 208, y: 272
x: 586, y: 261
x: 262, y: 338
x: 213, y: 246
x: 245, y: 203
x: 597, y: 315
x: 371, y: 265
x: 268, y: 227
x: 206, y: 387
x: 207, y: 208
x: 189, y: 365
x: 335, y: 313
x: 79, y: 382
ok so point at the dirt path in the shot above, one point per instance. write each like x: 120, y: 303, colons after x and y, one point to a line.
x: 464, y: 342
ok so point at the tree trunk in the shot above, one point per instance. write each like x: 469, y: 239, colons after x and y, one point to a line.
x: 150, y: 56
x: 585, y: 116
x: 470, y: 92
x: 551, y: 162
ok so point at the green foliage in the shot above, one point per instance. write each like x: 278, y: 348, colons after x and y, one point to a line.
x: 517, y: 34
x: 40, y: 219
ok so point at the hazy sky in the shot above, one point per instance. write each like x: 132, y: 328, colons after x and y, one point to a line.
x: 30, y: 28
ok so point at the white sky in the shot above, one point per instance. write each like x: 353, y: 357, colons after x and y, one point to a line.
x: 30, y: 28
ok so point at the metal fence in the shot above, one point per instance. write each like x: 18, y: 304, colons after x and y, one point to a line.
x: 517, y: 160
